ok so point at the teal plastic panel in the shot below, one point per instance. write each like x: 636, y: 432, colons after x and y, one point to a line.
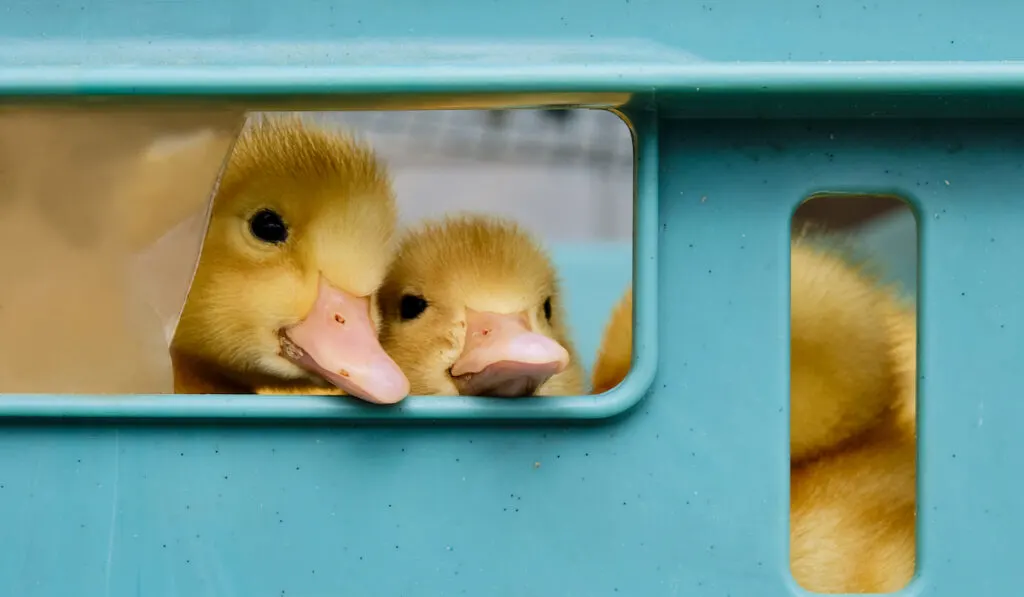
x: 685, y: 494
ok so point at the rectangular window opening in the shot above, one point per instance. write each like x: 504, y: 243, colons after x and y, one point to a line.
x: 853, y: 361
x: 428, y: 263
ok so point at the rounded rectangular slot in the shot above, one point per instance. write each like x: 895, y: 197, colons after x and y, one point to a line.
x: 369, y: 265
x: 853, y: 360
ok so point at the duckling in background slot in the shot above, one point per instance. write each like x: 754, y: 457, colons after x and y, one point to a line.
x: 300, y: 237
x: 615, y: 355
x: 472, y: 306
x: 852, y: 441
x: 852, y: 428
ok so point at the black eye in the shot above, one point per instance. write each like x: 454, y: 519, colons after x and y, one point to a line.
x: 412, y: 306
x: 267, y: 225
x: 547, y: 309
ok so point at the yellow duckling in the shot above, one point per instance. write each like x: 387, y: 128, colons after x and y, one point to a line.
x: 615, y: 355
x: 472, y: 306
x: 852, y: 353
x: 299, y: 240
x: 853, y: 446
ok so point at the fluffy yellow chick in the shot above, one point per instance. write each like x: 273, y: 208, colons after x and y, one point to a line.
x: 614, y: 356
x: 853, y: 480
x: 472, y: 306
x: 300, y: 237
x: 852, y: 352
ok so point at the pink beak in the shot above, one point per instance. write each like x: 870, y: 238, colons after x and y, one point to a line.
x: 338, y: 341
x: 503, y: 358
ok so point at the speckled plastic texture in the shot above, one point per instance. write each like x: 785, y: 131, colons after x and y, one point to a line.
x: 677, y: 482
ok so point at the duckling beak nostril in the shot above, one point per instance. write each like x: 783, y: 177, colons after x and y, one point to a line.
x: 503, y: 358
x: 338, y: 341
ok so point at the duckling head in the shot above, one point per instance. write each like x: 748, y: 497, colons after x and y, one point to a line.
x: 300, y: 237
x: 471, y: 306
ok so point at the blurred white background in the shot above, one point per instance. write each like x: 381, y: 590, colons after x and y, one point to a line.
x: 567, y: 175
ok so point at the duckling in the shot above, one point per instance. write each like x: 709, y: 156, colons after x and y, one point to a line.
x: 300, y: 236
x: 853, y: 441
x: 472, y: 306
x: 615, y: 354
x: 850, y: 341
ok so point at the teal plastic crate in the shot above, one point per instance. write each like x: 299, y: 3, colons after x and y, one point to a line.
x: 675, y: 483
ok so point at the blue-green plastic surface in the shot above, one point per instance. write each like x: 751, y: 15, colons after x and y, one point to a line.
x: 684, y: 494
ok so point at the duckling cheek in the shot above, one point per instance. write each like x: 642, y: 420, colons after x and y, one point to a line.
x: 503, y: 358
x: 338, y: 341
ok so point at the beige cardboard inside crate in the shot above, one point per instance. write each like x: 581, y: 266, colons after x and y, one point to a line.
x: 102, y: 216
